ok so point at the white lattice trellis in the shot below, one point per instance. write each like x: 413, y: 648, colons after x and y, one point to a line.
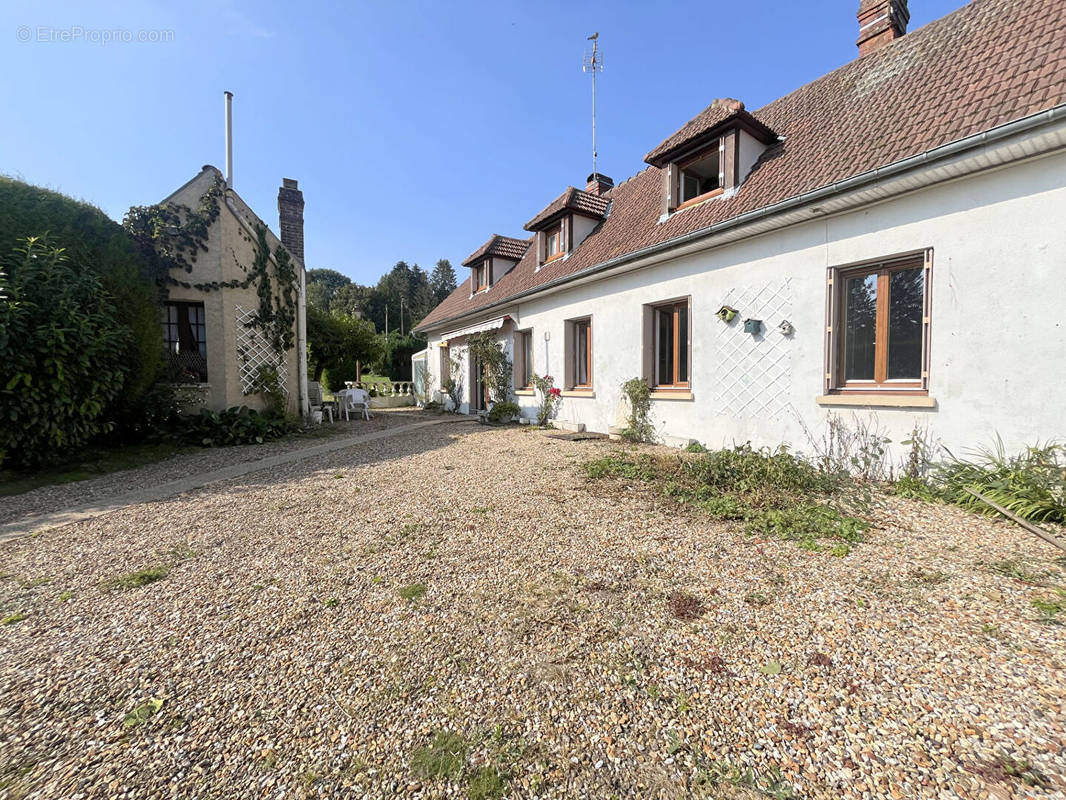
x: 253, y: 352
x: 754, y: 372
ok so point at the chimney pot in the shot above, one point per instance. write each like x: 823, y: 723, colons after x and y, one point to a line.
x: 881, y: 22
x: 598, y: 184
x: 291, y: 217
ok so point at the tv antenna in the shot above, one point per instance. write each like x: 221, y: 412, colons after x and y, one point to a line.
x: 593, y: 62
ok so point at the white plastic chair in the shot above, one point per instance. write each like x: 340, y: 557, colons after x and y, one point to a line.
x: 314, y: 400
x: 356, y: 400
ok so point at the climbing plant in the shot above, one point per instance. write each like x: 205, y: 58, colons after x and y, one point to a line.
x: 495, y: 365
x: 639, y: 427
x: 172, y: 236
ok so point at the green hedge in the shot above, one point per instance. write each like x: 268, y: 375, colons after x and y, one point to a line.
x: 93, y: 242
x: 61, y: 349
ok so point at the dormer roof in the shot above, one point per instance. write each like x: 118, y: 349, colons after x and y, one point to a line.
x: 499, y: 247
x: 719, y: 115
x: 574, y: 200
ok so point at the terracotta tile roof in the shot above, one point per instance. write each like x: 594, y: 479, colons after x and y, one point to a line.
x: 986, y: 64
x: 591, y: 205
x: 501, y: 246
x: 715, y: 115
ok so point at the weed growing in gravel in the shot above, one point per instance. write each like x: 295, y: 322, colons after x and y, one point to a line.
x: 1018, y: 569
x: 64, y: 597
x: 11, y: 619
x: 1049, y: 610
x: 413, y: 591
x: 774, y: 491
x: 135, y: 580
x: 685, y: 606
x: 481, y: 509
x: 806, y: 524
x: 756, y: 599
x: 621, y: 466
x: 444, y: 757
x: 1007, y: 767
x: 331, y: 602
x: 929, y: 577
x: 710, y: 775
x: 487, y: 783
x: 142, y: 713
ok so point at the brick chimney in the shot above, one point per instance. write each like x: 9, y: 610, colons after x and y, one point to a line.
x: 291, y: 217
x: 880, y: 22
x: 598, y: 184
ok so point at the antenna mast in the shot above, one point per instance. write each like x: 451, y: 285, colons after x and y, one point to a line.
x: 593, y: 62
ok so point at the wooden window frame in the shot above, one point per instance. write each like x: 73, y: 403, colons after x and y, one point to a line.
x: 679, y: 180
x: 673, y: 307
x: 836, y: 332
x: 523, y: 360
x: 557, y: 230
x: 571, y: 383
x: 445, y: 365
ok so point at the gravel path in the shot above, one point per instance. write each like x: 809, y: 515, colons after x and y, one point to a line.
x: 79, y: 493
x: 281, y: 657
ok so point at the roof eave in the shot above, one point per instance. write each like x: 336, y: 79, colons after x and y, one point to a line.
x: 1055, y: 114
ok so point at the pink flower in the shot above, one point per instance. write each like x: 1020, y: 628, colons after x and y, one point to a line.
x: 554, y: 392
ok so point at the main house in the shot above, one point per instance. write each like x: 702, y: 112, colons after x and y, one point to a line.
x: 888, y: 240
x: 234, y: 316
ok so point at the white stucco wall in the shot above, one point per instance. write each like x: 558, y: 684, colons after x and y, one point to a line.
x: 998, y: 329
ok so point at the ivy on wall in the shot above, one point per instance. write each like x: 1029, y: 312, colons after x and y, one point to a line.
x: 172, y: 235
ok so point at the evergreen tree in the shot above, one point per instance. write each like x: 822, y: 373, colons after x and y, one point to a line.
x: 442, y: 282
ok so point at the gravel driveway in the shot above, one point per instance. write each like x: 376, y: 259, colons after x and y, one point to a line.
x: 311, y: 631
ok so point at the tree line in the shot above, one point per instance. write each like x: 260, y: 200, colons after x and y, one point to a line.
x: 350, y: 326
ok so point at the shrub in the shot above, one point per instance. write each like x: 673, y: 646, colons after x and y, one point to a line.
x: 235, y: 425
x: 550, y: 397
x: 95, y: 244
x: 1032, y: 484
x: 504, y: 412
x: 764, y: 477
x: 62, y: 356
x: 638, y: 427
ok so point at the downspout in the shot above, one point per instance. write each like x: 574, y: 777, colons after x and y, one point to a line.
x: 301, y: 343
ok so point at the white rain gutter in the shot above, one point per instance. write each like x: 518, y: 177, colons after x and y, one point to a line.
x: 658, y: 252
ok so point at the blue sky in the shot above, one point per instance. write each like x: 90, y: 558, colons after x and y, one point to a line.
x: 415, y: 129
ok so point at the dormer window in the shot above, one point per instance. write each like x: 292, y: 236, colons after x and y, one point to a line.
x: 479, y: 276
x: 493, y: 260
x: 553, y: 242
x: 700, y: 177
x: 711, y: 156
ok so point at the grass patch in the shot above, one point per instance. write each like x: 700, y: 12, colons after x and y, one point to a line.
x: 443, y: 758
x: 413, y: 591
x: 138, y: 579
x: 1048, y: 610
x: 1019, y: 570
x: 142, y: 713
x: 89, y: 464
x: 488, y: 783
x: 11, y: 619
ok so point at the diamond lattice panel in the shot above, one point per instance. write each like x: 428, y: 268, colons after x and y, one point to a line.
x: 754, y: 371
x: 253, y: 352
